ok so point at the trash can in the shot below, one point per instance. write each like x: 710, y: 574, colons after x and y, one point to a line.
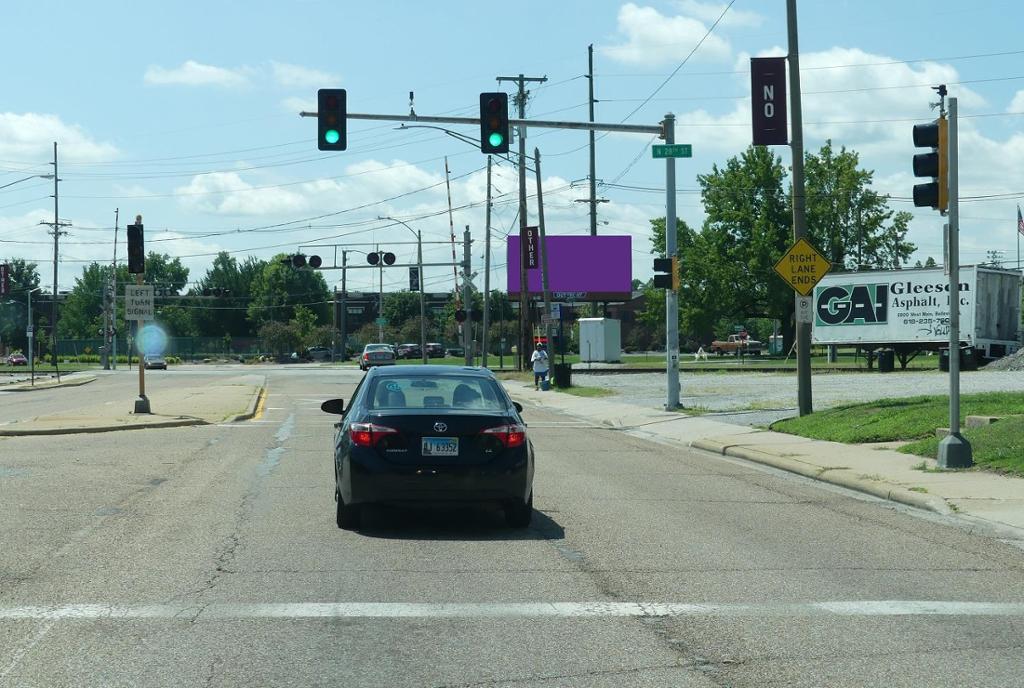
x: 886, y: 360
x: 562, y: 375
x: 968, y: 359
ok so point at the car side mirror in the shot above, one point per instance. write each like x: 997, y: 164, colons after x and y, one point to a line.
x: 519, y: 407
x: 335, y: 406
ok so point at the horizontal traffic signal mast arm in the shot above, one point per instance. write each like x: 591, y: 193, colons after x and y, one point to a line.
x: 538, y: 123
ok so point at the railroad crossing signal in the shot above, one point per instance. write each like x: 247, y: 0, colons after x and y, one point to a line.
x: 332, y: 134
x: 494, y: 127
x: 376, y: 258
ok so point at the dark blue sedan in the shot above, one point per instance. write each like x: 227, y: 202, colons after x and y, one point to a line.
x: 431, y: 434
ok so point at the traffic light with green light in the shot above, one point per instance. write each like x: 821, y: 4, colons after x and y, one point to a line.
x: 332, y: 134
x: 494, y: 127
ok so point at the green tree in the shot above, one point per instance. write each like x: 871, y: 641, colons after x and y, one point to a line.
x: 217, y: 316
x: 849, y: 221
x: 23, y: 277
x: 278, y: 288
x: 278, y: 337
x: 81, y: 313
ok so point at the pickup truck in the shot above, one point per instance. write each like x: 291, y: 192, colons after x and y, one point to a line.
x: 736, y: 346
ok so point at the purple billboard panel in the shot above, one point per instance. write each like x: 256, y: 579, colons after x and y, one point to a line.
x: 582, y: 268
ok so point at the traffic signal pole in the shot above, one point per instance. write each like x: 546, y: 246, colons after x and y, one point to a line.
x: 671, y: 296
x: 954, y: 449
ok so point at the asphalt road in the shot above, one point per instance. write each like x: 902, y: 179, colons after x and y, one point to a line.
x: 208, y: 556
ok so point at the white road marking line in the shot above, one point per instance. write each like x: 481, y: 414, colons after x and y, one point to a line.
x: 387, y: 610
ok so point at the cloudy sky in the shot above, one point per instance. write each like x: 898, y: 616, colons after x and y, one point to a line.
x: 187, y: 113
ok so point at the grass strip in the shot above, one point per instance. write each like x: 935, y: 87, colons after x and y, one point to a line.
x: 998, y: 447
x: 890, y: 420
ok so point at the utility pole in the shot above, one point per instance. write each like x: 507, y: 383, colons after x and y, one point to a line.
x: 593, y: 200
x: 113, y: 290
x: 380, y: 306
x: 524, y: 305
x: 545, y: 277
x: 593, y: 162
x: 467, y: 326
x: 803, y: 330
x: 56, y: 231
x: 487, y: 268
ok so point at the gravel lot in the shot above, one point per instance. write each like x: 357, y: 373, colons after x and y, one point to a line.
x: 762, y: 398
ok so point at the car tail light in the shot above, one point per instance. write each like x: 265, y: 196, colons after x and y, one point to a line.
x: 509, y: 435
x: 366, y: 357
x: 368, y: 434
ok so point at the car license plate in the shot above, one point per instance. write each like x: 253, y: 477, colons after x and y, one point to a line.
x: 440, y: 446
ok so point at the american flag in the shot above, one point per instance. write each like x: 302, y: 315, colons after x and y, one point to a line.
x: 1020, y: 221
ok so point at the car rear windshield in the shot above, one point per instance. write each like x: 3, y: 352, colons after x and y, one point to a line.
x: 378, y: 347
x: 436, y: 391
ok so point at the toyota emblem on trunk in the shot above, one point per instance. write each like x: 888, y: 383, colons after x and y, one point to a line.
x: 440, y: 427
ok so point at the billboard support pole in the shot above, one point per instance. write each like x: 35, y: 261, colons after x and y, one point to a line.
x: 954, y: 449
x: 543, y: 254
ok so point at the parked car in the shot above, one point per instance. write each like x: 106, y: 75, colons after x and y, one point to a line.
x: 456, y: 351
x: 409, y: 351
x: 320, y: 353
x: 17, y: 359
x: 154, y: 362
x: 376, y: 355
x: 425, y: 434
x: 435, y: 350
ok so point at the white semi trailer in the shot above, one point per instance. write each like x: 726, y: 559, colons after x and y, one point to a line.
x: 908, y: 310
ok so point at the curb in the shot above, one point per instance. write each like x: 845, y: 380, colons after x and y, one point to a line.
x: 835, y: 477
x: 20, y: 386
x: 255, y: 404
x: 183, y: 422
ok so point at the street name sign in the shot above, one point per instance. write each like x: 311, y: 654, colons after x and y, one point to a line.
x: 802, y: 267
x: 381, y: 321
x: 673, y: 150
x: 138, y: 302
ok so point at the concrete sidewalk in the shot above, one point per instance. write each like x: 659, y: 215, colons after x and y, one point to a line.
x: 233, y: 400
x: 874, y: 469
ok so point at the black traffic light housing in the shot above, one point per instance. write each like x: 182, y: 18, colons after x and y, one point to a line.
x: 933, y: 194
x: 136, y: 250
x: 669, y: 280
x: 494, y: 129
x: 460, y: 315
x: 375, y: 258
x: 331, y: 119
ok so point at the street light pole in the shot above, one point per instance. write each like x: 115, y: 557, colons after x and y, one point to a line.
x: 419, y: 270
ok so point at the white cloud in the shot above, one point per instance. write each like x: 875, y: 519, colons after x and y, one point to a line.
x: 1017, y: 104
x: 652, y: 38
x: 709, y: 12
x: 225, y: 193
x: 192, y: 73
x: 30, y: 137
x: 299, y: 104
x: 296, y: 76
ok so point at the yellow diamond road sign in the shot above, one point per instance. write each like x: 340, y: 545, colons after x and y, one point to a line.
x: 802, y: 267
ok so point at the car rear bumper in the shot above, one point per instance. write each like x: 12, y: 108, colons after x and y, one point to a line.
x: 378, y: 481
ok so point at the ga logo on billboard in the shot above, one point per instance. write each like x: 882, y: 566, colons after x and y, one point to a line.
x: 861, y: 304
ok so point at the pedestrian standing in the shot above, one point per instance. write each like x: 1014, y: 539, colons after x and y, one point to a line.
x: 539, y: 359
